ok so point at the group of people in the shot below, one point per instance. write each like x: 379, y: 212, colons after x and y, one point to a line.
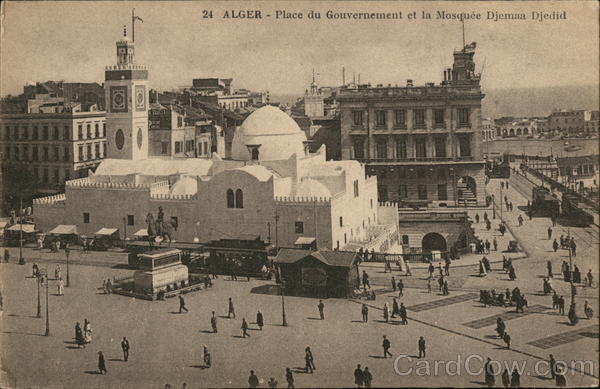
x: 83, y: 335
x: 485, y: 247
x: 107, y: 286
x: 399, y: 310
x: 501, y: 331
x: 508, y: 298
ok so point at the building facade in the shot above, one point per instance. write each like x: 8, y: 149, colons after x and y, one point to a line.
x: 423, y: 143
x: 56, y: 147
x: 272, y: 187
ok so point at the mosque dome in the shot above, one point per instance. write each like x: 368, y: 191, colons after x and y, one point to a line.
x: 312, y: 188
x: 272, y: 132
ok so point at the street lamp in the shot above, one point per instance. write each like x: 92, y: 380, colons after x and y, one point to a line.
x: 39, y: 305
x: 21, y: 259
x: 284, y: 321
x: 67, y: 255
x: 47, y: 308
x: 493, y: 206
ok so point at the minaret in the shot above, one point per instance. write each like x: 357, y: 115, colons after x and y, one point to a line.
x: 126, y: 92
x: 313, y: 100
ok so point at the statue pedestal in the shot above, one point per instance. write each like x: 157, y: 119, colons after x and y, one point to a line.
x: 160, y: 270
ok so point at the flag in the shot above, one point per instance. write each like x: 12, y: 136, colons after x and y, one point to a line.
x: 138, y: 18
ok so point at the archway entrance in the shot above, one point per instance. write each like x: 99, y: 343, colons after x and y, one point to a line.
x: 466, y: 188
x: 433, y: 241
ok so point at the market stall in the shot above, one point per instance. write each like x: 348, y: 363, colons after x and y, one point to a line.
x: 62, y: 233
x: 105, y: 238
x: 12, y: 234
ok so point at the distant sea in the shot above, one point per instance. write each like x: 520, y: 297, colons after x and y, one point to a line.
x: 519, y: 101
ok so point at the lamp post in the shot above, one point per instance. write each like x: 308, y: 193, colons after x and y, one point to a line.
x: 47, y: 308
x: 501, y: 198
x: 276, y: 231
x: 39, y: 305
x: 283, y: 320
x: 493, y: 206
x: 571, y: 268
x: 21, y: 259
x: 67, y: 255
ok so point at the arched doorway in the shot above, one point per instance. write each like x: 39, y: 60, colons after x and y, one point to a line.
x: 518, y: 131
x: 433, y: 241
x: 511, y: 132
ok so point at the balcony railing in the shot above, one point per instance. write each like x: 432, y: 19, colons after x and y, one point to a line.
x: 416, y: 159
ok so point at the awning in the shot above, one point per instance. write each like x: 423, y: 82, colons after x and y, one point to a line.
x: 142, y: 232
x: 305, y: 240
x: 28, y: 228
x: 106, y: 231
x: 64, y: 229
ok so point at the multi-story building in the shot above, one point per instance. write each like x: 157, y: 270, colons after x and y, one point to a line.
x: 591, y: 122
x: 422, y: 142
x: 566, y: 121
x: 219, y: 91
x: 509, y: 127
x: 488, y: 131
x: 56, y: 147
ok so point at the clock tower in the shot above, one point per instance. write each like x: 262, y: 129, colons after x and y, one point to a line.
x: 126, y: 92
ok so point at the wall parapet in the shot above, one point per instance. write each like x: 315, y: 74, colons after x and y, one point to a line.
x: 301, y: 200
x: 55, y: 199
x: 168, y: 196
x: 87, y: 183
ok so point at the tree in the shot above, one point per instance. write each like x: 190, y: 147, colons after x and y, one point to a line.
x: 19, y: 184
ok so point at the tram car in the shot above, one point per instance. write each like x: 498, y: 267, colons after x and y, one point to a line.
x: 498, y: 168
x: 572, y: 211
x: 544, y: 203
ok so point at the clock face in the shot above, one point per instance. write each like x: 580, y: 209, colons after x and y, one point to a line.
x: 140, y: 98
x: 118, y: 97
x: 140, y: 138
x: 119, y: 139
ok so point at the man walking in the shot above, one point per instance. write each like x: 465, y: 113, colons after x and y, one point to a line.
x: 495, y: 243
x: 365, y: 313
x: 386, y: 347
x: 421, y: 347
x: 403, y: 314
x: 321, y: 307
x: 549, y: 232
x: 182, y: 305
x: 213, y: 322
x: 393, y: 284
x: 365, y: 280
x: 253, y: 380
x: 125, y: 347
x: 289, y: 377
x: 309, y: 360
x: 561, y: 305
x: 506, y: 339
x: 101, y: 363
x: 520, y: 220
x: 260, y: 320
x: 395, y: 308
x: 400, y: 288
x: 358, y: 377
x: 447, y: 267
x: 367, y: 377
x: 231, y: 310
x: 245, y: 328
x: 555, y: 245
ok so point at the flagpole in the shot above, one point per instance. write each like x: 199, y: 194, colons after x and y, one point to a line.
x: 133, y: 25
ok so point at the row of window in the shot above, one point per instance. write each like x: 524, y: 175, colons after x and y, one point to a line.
x: 400, y: 115
x: 442, y: 192
x: 420, y: 147
x: 42, y: 175
x: 21, y: 153
x: 85, y: 153
x: 46, y: 132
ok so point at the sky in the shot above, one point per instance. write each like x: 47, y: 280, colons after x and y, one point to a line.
x: 73, y: 41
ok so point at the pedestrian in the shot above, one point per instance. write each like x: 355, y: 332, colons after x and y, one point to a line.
x: 506, y: 378
x: 367, y: 377
x: 590, y: 278
x: 213, y: 322
x: 554, y: 301
x: 429, y: 285
x: 259, y: 320
x: 408, y: 272
x: 511, y: 273
x: 440, y: 269
x: 511, y: 206
x: 101, y: 363
x: 104, y: 290
x: 206, y: 356
x: 445, y: 290
x: 61, y: 287
x: 309, y: 360
x: 500, y: 327
x: 431, y: 269
x: 365, y: 313
x: 386, y: 312
x: 87, y: 331
x: 253, y: 380
x: 447, y: 267
x: 79, y: 339
x: 108, y: 286
x: 441, y: 284
x: 230, y: 309
x: 506, y: 339
x: 289, y: 377
x: 555, y: 245
x: 393, y: 284
x: 552, y: 366
x: 6, y: 255
x: 365, y: 280
x: 395, y: 308
x: 386, y: 347
x: 400, y: 288
x: 549, y: 232
x: 501, y: 184
x: 520, y: 220
x: 182, y: 305
x: 495, y: 243
x: 272, y: 383
x: 244, y: 328
x: 358, y: 377
x: 573, y: 247
x: 477, y: 218
x: 490, y: 378
x: 403, y: 314
x: 561, y: 305
x: 561, y: 380
x: 125, y: 347
x: 321, y: 307
x: 57, y: 273
x: 576, y: 275
x: 485, y: 216
x: 421, y: 347
x: 487, y: 246
x: 515, y: 381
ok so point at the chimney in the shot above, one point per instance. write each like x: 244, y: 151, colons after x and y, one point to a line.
x: 409, y: 83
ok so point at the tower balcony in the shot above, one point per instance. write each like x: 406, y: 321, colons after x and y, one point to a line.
x: 125, y: 67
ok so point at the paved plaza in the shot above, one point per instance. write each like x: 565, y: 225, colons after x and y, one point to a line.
x: 166, y: 347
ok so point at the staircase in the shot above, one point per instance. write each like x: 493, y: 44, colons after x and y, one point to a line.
x: 466, y: 198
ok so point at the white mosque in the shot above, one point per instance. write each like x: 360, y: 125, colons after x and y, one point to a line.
x: 272, y: 187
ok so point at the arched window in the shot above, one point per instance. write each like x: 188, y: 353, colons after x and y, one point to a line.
x: 404, y: 239
x: 230, y: 199
x: 239, y: 199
